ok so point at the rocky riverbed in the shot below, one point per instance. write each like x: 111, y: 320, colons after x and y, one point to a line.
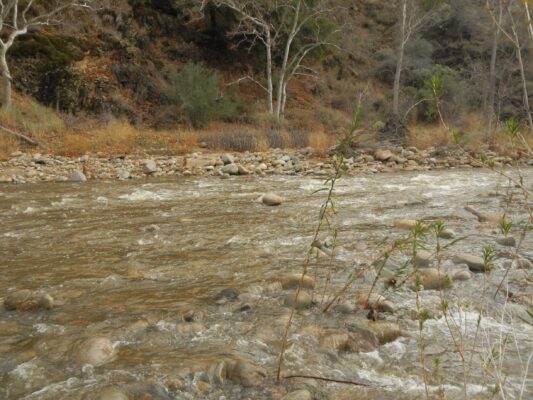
x: 37, y: 167
x: 181, y: 288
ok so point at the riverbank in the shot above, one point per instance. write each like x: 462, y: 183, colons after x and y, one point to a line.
x: 24, y: 168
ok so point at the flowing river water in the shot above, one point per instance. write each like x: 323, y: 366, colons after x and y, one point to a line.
x: 127, y: 260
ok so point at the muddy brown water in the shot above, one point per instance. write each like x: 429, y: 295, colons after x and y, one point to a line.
x: 113, y: 254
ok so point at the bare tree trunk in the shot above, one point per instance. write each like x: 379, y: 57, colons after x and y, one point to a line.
x: 6, y: 81
x: 522, y: 73
x: 270, y: 86
x: 399, y: 63
x: 284, y: 97
x: 286, y: 53
x: 529, y: 24
x: 489, y: 99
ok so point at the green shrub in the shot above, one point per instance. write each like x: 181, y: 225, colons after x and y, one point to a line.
x: 195, y: 89
x: 451, y: 96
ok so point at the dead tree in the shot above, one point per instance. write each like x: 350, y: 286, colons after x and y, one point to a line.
x: 17, y: 17
x: 277, y: 26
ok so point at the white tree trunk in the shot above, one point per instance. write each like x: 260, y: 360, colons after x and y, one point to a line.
x: 399, y: 63
x: 286, y: 53
x: 270, y: 85
x: 6, y: 80
x: 489, y: 100
x: 528, y: 17
x: 522, y: 74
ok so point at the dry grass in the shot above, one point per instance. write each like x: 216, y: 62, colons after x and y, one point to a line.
x: 321, y: 142
x: 32, y: 118
x: 473, y: 137
x: 424, y: 136
x: 8, y: 144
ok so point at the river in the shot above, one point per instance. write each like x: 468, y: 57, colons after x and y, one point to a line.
x: 127, y: 260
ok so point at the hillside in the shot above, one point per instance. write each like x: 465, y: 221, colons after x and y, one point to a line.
x: 123, y: 62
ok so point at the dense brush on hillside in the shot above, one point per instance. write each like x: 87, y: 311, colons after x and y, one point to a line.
x: 165, y: 64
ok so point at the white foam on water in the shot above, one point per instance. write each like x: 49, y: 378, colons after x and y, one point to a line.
x: 30, y: 210
x: 102, y: 200
x: 64, y: 201
x: 45, y: 328
x: 13, y: 234
x: 146, y: 195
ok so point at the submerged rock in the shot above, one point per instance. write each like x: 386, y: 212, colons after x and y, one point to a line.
x: 407, y: 224
x: 96, y: 351
x: 26, y: 300
x: 304, y: 300
x: 461, y: 275
x: 298, y: 395
x: 245, y: 373
x: 433, y: 279
x: 385, y: 331
x: 509, y: 241
x: 112, y: 393
x: 492, y: 218
x: 271, y: 199
x: 447, y: 234
x: 227, y: 295
x: 357, y: 339
x: 240, y: 372
x: 376, y: 302
x: 423, y: 258
x: 475, y: 263
x: 292, y: 281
